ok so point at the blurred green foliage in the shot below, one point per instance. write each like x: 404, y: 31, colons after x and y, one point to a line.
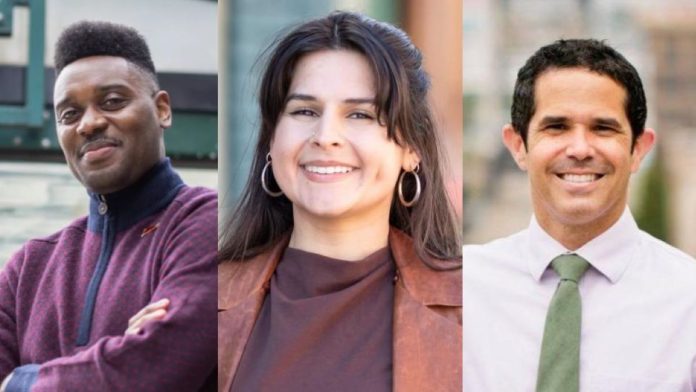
x: 652, y: 213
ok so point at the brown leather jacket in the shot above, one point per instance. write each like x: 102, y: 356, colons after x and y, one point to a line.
x: 427, y: 317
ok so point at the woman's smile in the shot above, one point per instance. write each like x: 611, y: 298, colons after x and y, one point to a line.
x: 327, y: 171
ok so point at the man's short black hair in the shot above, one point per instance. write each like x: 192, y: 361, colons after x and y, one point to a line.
x: 591, y: 54
x: 90, y: 38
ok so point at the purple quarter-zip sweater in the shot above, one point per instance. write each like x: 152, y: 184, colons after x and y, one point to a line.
x: 65, y: 300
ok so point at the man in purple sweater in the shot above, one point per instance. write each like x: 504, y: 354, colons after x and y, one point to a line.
x: 146, y: 251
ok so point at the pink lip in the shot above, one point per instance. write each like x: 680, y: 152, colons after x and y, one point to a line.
x: 99, y: 154
x: 98, y: 150
x: 316, y: 177
x: 326, y: 163
x: 97, y: 144
x: 580, y: 168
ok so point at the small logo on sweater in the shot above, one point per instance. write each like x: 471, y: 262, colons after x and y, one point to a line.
x: 149, y: 229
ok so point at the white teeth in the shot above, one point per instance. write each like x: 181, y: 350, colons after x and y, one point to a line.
x: 579, y: 178
x: 328, y: 169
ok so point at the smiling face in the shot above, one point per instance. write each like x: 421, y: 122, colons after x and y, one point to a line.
x: 578, y: 154
x: 331, y: 157
x: 109, y: 121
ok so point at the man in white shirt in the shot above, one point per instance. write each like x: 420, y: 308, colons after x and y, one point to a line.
x: 578, y: 129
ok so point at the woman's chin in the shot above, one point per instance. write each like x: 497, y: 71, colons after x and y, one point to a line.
x: 325, y: 211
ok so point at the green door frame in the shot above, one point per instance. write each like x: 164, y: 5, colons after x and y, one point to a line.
x: 30, y: 115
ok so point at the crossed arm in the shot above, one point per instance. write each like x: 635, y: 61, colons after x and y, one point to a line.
x: 151, y: 312
x: 173, y: 350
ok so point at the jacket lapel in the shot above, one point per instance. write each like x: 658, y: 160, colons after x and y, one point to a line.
x: 427, y: 323
x: 242, y: 287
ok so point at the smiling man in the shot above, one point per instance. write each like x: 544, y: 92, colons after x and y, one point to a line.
x: 582, y: 300
x: 123, y: 299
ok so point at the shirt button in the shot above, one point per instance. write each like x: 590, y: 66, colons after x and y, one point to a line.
x: 103, y: 208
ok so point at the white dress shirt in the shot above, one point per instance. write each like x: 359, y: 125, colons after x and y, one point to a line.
x: 638, y: 311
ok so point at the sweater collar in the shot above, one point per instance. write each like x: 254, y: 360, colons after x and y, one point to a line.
x: 151, y: 193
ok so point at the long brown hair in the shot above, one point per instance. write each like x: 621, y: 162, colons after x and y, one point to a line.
x: 259, y: 220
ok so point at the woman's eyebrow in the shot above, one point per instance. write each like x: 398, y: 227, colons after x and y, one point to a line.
x: 300, y: 97
x: 371, y: 101
x: 307, y: 97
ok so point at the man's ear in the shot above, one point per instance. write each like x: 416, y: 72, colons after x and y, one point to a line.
x: 644, y: 143
x: 514, y: 143
x: 164, y: 109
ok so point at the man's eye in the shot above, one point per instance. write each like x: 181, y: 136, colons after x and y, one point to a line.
x: 604, y: 129
x: 556, y: 127
x: 68, y: 116
x: 113, y: 103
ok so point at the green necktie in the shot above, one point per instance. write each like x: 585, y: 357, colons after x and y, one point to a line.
x: 559, y: 363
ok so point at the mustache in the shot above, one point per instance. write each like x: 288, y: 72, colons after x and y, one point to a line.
x: 586, y: 166
x: 97, y: 143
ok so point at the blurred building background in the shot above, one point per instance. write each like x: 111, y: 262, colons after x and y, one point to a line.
x: 658, y: 38
x: 250, y: 26
x: 38, y: 194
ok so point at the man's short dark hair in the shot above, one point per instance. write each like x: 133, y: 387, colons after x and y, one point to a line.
x: 591, y: 54
x: 89, y: 38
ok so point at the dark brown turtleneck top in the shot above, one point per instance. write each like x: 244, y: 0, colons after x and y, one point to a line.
x: 326, y: 325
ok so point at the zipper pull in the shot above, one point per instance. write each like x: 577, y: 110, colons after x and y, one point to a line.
x: 103, y: 208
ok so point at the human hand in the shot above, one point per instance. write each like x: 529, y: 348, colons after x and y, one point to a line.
x: 152, y: 312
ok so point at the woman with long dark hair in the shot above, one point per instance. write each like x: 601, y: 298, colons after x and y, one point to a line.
x: 340, y: 266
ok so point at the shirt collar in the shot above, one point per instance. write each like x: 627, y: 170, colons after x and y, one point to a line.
x: 610, y: 253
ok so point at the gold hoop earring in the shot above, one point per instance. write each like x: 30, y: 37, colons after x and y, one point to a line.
x: 263, y: 178
x: 400, y: 187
